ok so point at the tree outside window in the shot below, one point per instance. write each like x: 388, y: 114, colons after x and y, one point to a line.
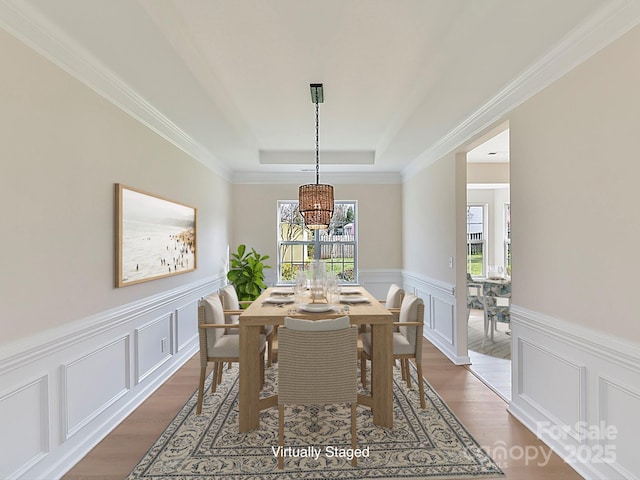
x: 476, y: 240
x: 335, y: 246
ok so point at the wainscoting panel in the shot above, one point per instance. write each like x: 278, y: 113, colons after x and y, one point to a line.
x: 24, y: 435
x: 377, y: 282
x: 440, y: 313
x: 154, y: 345
x: 87, y: 376
x: 186, y: 325
x: 429, y: 321
x: 579, y: 391
x: 93, y: 382
x: 616, y: 401
x: 443, y: 318
x: 560, y: 393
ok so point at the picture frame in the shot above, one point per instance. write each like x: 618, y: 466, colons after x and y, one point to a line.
x: 155, y: 237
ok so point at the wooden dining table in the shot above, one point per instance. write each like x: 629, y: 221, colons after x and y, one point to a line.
x: 263, y: 312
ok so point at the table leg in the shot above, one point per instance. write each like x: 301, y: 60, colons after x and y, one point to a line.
x: 382, y: 374
x: 249, y: 391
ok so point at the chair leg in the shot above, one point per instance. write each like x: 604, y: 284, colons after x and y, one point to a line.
x: 354, y: 438
x: 214, y: 380
x: 220, y: 372
x: 420, y: 384
x: 486, y: 329
x: 407, y: 372
x: 280, y: 436
x: 203, y: 375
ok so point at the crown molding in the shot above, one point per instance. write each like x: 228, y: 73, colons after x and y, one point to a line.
x: 602, y: 28
x: 299, y: 178
x: 30, y: 27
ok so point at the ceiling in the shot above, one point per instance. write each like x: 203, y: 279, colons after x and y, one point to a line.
x: 405, y: 81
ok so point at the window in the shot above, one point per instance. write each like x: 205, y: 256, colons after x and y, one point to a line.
x: 476, y: 240
x: 335, y: 246
x: 507, y: 238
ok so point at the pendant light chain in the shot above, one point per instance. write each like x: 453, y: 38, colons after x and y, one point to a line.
x: 317, y: 143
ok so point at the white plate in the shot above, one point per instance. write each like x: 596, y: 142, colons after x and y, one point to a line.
x: 316, y: 307
x: 354, y: 299
x: 282, y: 291
x: 349, y: 290
x: 279, y: 300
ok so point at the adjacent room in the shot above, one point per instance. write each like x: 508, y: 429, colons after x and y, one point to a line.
x: 489, y: 262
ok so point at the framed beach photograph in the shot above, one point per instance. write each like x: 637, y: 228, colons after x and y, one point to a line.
x: 155, y: 237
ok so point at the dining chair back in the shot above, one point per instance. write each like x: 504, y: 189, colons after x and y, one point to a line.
x: 474, y: 295
x: 230, y: 303
x: 497, y: 305
x: 392, y: 302
x: 317, y: 366
x: 395, y: 294
x: 407, y: 343
x: 217, y: 346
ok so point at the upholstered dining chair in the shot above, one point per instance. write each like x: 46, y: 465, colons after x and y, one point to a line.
x: 317, y: 365
x: 474, y: 295
x: 407, y: 342
x: 232, y: 306
x: 217, y: 346
x: 395, y: 294
x: 496, y: 297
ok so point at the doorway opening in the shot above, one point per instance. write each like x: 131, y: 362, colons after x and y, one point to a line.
x: 489, y: 262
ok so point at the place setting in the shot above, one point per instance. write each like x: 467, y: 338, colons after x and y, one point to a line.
x: 278, y: 300
x: 353, y: 299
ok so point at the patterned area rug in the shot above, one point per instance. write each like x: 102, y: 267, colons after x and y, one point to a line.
x: 428, y: 443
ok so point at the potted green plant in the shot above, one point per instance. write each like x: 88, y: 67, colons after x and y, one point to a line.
x: 247, y: 273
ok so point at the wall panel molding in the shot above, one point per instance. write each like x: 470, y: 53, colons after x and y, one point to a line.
x: 68, y: 418
x: 153, y: 345
x: 377, y: 281
x: 440, y: 312
x: 579, y: 391
x: 185, y: 331
x: 24, y: 409
x: 107, y: 371
x: 16, y: 354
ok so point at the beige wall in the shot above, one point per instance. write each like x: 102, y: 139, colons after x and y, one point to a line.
x: 429, y: 229
x: 574, y: 182
x: 379, y: 225
x: 63, y: 149
x: 487, y: 172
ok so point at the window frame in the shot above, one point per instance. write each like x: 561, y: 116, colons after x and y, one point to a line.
x: 507, y: 238
x: 485, y: 253
x: 317, y: 243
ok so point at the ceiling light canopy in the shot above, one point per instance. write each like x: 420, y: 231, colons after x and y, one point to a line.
x: 315, y: 200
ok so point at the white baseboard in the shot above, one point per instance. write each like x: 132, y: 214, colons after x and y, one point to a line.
x: 579, y: 391
x: 70, y: 386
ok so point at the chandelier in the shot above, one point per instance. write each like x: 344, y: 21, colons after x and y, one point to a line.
x: 316, y: 199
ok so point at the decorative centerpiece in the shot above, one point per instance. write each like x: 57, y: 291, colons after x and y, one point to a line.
x: 318, y: 282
